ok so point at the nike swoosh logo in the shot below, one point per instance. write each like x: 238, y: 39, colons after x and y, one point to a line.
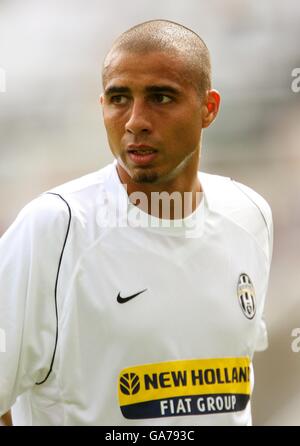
x: 122, y: 300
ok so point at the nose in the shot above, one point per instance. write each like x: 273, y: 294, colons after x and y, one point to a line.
x: 139, y: 119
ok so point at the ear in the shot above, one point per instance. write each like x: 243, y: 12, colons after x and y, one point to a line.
x: 101, y: 99
x: 210, y: 107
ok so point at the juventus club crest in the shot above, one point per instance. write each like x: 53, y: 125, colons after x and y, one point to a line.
x: 246, y: 296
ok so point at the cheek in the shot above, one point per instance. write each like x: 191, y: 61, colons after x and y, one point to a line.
x: 186, y: 133
x: 113, y: 124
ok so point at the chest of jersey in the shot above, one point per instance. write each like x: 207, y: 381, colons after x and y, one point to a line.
x: 172, y: 295
x: 139, y: 298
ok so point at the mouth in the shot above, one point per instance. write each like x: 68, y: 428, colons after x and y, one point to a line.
x: 141, y: 154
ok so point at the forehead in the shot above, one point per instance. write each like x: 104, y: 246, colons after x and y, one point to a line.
x: 142, y: 69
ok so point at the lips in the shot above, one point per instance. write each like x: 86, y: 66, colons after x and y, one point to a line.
x: 141, y: 154
x: 142, y: 151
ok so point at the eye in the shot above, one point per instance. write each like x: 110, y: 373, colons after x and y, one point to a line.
x: 160, y: 98
x: 118, y: 99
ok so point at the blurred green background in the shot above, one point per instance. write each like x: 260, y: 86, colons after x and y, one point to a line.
x: 51, y: 128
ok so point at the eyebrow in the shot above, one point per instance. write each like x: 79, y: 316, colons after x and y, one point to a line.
x: 162, y: 89
x: 115, y: 89
x: 150, y: 89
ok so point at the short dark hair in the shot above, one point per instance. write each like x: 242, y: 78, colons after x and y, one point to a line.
x: 168, y: 36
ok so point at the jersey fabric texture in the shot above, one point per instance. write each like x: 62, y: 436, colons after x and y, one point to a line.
x: 110, y: 316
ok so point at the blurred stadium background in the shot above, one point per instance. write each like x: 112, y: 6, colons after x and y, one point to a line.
x: 51, y: 128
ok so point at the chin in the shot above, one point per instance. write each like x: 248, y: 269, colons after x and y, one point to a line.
x: 145, y: 177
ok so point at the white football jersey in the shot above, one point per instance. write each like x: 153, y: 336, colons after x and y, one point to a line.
x: 113, y: 317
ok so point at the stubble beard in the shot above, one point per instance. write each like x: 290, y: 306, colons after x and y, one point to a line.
x: 145, y: 177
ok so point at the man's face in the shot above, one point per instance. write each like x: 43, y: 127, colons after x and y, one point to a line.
x: 152, y: 114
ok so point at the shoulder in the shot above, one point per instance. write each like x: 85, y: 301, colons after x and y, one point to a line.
x: 38, y: 217
x: 72, y: 205
x: 43, y: 210
x: 85, y: 186
x: 85, y: 194
x: 241, y: 205
x: 67, y: 200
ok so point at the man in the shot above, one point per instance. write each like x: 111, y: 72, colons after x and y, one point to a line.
x: 134, y: 295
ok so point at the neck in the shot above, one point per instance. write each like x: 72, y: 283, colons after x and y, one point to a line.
x: 173, y: 199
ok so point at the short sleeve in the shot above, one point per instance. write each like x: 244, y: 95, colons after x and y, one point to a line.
x: 30, y: 254
x: 262, y: 338
x: 263, y: 232
x: 262, y: 342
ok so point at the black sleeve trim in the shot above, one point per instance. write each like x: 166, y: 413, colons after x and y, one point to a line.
x: 56, y: 283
